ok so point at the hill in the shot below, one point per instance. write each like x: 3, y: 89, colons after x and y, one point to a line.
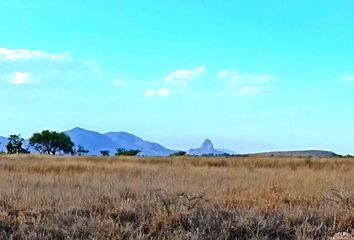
x: 3, y: 142
x: 96, y: 142
x: 307, y: 153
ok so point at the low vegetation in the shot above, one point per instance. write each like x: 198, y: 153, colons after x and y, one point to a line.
x: 178, y: 154
x: 125, y: 152
x: 52, y: 197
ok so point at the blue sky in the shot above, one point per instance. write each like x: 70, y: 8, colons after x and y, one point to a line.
x: 251, y: 75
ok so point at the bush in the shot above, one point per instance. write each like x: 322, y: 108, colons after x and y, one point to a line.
x: 177, y: 154
x: 125, y: 152
x: 104, y: 153
x: 81, y: 151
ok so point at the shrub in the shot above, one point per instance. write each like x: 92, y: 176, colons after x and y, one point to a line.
x: 125, y: 152
x: 104, y: 153
x: 177, y: 154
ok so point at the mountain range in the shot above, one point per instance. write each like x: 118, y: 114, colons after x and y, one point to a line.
x: 3, y: 142
x: 96, y: 142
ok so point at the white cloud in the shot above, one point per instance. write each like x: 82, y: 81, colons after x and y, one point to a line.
x: 183, y: 76
x: 250, y: 90
x: 242, y: 91
x: 19, y: 66
x: 262, y: 78
x: 93, y: 65
x: 20, y: 78
x: 119, y: 82
x: 233, y: 77
x: 149, y: 93
x: 227, y: 73
x: 242, y: 84
x: 21, y: 54
x: 162, y: 92
x: 349, y: 78
x: 177, y: 78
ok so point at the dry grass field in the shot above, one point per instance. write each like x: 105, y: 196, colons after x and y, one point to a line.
x: 44, y: 197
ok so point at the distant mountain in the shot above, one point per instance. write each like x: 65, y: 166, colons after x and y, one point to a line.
x: 130, y: 141
x: 308, y: 153
x: 3, y: 142
x: 207, y: 148
x: 96, y: 142
x: 93, y: 141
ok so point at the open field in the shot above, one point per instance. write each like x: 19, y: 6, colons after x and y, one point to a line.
x: 44, y: 197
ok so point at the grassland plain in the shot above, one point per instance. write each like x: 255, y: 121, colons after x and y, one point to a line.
x: 46, y: 197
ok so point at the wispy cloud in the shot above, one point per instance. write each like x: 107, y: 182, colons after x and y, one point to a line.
x: 262, y: 78
x: 93, y: 65
x: 183, y: 76
x: 233, y: 77
x: 176, y: 79
x: 22, y: 54
x: 162, y: 92
x: 20, y: 78
x: 19, y: 66
x: 349, y: 78
x: 242, y: 84
x: 242, y: 91
x: 250, y: 90
x: 118, y: 82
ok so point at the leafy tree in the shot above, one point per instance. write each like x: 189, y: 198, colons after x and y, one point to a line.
x: 81, y: 151
x: 14, y: 146
x: 124, y: 152
x: 177, y: 154
x: 104, y: 153
x: 52, y: 142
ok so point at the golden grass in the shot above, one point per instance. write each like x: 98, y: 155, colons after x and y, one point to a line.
x: 43, y: 197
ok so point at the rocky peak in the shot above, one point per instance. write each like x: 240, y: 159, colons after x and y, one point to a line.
x: 207, y: 145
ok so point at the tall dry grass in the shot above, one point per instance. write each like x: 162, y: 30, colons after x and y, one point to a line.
x: 44, y: 197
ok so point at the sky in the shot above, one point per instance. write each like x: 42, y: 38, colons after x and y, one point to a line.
x: 251, y: 75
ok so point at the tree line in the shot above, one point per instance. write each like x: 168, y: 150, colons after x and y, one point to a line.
x: 53, y: 143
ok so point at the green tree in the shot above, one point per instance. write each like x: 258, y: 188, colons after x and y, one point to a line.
x: 177, y: 154
x: 14, y: 146
x: 124, y: 152
x: 104, y: 153
x: 52, y: 142
x: 81, y: 151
